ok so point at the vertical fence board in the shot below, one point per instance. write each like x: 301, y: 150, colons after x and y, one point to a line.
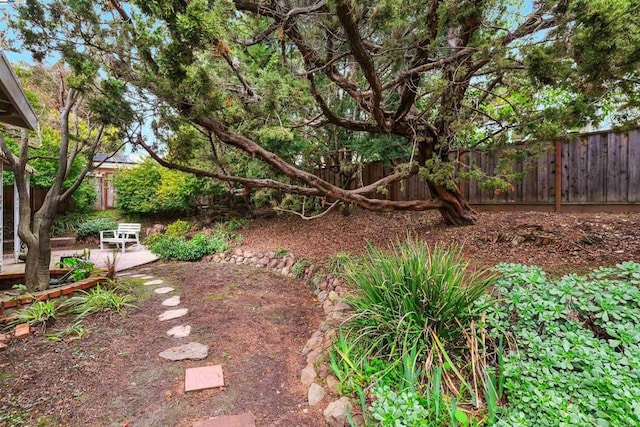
x: 633, y: 159
x: 543, y: 185
x: 582, y: 167
x: 567, y: 184
x: 596, y: 178
x: 624, y: 165
x: 613, y: 157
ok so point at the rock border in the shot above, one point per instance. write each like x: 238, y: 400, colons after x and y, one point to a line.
x: 330, y: 293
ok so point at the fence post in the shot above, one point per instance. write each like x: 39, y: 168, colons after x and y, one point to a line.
x: 558, y: 193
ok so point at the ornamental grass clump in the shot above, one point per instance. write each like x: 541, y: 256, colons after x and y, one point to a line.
x: 412, y: 293
x: 97, y: 299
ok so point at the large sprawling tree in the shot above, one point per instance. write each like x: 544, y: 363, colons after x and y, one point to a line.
x: 280, y: 80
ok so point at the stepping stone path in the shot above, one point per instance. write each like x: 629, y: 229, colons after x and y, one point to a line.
x: 173, y: 314
x: 172, y: 302
x: 244, y: 420
x: 192, y: 351
x: 195, y: 378
x: 203, y: 378
x: 180, y: 331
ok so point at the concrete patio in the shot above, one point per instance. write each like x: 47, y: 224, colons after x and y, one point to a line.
x: 133, y: 257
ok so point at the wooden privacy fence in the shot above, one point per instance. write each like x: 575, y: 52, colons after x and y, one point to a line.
x: 600, y: 168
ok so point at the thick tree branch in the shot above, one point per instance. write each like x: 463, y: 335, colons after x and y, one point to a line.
x: 364, y: 60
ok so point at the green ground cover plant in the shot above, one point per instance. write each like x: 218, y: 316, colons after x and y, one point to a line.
x: 575, y: 356
x: 173, y: 243
x: 172, y: 247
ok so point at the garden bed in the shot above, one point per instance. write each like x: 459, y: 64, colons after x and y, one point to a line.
x: 12, y: 301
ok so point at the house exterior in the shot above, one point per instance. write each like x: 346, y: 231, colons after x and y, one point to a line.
x: 14, y: 110
x: 106, y: 166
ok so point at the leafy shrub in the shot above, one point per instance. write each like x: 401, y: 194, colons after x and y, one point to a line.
x: 97, y: 299
x: 578, y: 346
x: 171, y: 247
x: 69, y: 222
x: 411, y: 293
x: 84, y: 198
x: 93, y: 227
x: 178, y: 229
x: 152, y: 239
x: 151, y: 189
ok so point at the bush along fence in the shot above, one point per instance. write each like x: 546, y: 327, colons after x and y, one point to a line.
x: 330, y: 293
x: 592, y: 172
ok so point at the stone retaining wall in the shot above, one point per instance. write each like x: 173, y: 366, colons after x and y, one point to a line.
x: 330, y: 293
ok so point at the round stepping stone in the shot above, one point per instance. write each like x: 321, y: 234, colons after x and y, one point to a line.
x: 147, y: 277
x: 136, y: 276
x: 180, y: 331
x: 172, y: 302
x: 164, y: 290
x: 172, y: 314
x: 154, y: 282
x: 193, y: 351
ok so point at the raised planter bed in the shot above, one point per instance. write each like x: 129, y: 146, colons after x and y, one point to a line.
x: 7, y: 302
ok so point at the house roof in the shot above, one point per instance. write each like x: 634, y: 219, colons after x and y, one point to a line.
x: 14, y: 106
x: 118, y: 158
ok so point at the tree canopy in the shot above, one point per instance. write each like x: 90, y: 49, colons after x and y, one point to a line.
x: 228, y: 84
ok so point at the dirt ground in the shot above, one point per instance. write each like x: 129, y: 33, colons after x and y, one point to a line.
x: 256, y: 322
x: 557, y: 242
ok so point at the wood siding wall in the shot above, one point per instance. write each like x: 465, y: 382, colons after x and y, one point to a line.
x: 596, y: 168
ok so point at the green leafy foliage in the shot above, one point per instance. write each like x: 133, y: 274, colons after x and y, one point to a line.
x: 84, y: 198
x: 69, y: 222
x: 99, y: 298
x: 172, y: 247
x: 298, y: 268
x: 93, y: 227
x: 398, y: 409
x: 40, y: 312
x: 72, y: 332
x: 178, y: 228
x: 151, y: 189
x: 577, y: 356
x: 79, y: 268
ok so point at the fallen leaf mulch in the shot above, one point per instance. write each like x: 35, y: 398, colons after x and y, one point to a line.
x: 557, y: 242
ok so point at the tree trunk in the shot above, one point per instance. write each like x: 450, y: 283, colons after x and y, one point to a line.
x: 456, y: 210
x: 31, y: 272
x: 44, y: 248
x: 37, y: 275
